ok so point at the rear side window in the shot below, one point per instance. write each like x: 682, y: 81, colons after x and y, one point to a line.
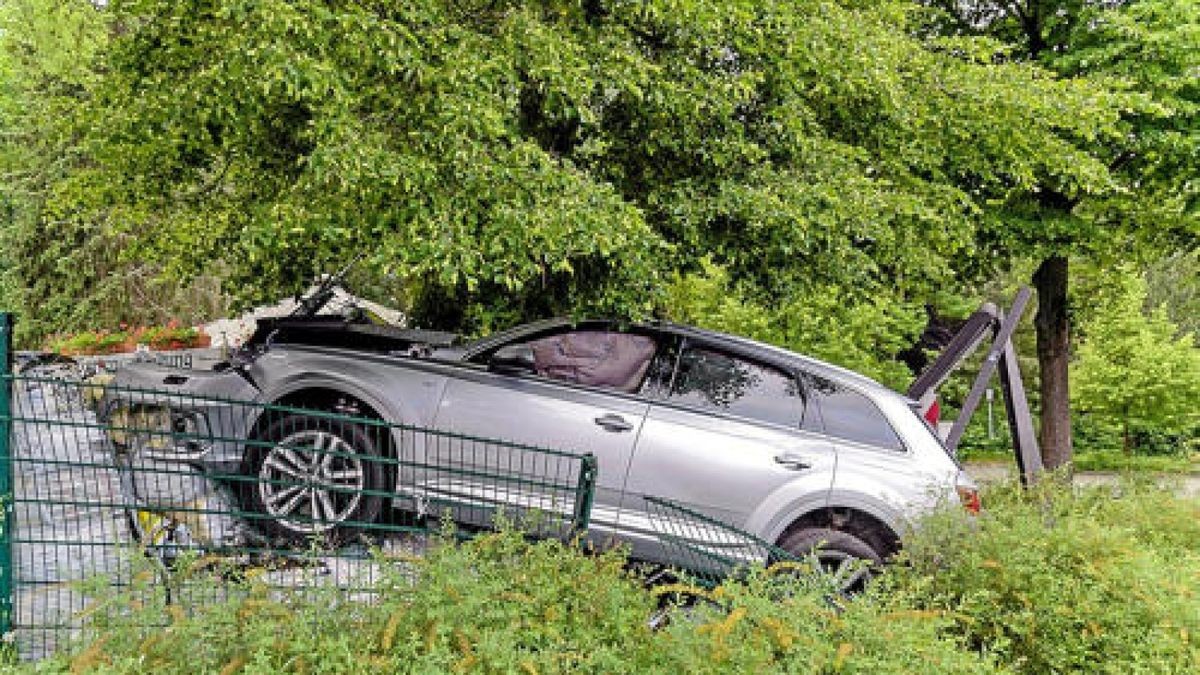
x: 853, y: 417
x: 709, y: 379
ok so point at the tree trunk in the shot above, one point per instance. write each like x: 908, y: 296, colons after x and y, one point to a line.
x: 1053, y: 349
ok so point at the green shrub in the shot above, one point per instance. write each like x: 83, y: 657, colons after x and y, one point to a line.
x: 975, y: 444
x: 1135, y: 381
x: 499, y: 603
x: 1095, y: 580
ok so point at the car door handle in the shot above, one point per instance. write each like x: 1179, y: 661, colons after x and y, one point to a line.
x: 792, y: 462
x: 613, y: 422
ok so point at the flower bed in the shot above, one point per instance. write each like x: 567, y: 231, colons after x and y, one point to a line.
x: 160, y: 338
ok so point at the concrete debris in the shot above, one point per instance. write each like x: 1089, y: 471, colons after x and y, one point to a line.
x: 233, y: 332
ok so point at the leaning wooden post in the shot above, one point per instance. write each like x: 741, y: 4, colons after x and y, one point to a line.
x: 1003, y: 337
x: 1020, y: 420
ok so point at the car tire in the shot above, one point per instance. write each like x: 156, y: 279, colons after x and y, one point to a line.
x: 313, y: 478
x: 849, y: 560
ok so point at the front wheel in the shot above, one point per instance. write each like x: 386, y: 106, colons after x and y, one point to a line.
x: 849, y: 561
x: 314, y: 477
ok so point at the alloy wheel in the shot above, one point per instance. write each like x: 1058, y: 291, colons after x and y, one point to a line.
x: 311, y: 481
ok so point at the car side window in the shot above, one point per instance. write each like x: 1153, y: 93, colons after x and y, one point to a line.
x: 595, y: 358
x: 706, y: 378
x: 851, y: 416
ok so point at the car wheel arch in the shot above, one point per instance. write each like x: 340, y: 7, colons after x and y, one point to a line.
x: 330, y: 397
x: 321, y: 388
x: 869, y: 527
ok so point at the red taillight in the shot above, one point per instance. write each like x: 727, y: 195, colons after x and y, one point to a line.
x: 969, y: 497
x: 933, y: 413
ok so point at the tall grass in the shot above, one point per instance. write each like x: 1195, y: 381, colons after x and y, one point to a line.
x: 1095, y: 580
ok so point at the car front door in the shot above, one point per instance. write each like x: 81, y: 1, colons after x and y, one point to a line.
x: 726, y: 438
x: 580, y: 400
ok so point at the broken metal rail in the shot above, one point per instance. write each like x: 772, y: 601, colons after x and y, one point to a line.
x: 1001, y: 356
x: 706, y: 549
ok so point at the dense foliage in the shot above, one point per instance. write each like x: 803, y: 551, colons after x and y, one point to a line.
x: 517, y: 159
x: 813, y: 173
x: 1134, y: 373
x: 61, y: 265
x: 1141, y: 47
x: 1085, y: 580
x: 1099, y: 580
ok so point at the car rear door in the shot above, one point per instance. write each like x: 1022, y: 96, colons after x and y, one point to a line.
x: 726, y: 438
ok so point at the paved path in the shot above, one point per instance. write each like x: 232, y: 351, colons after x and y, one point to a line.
x: 59, y: 539
x: 1188, y: 485
x: 70, y: 524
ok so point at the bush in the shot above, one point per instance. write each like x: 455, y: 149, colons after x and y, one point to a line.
x: 1054, y: 581
x: 1135, y: 382
x: 499, y: 603
x: 1095, y: 580
x: 1094, y: 434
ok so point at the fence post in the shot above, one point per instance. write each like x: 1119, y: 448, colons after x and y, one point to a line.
x: 6, y: 476
x: 585, y: 493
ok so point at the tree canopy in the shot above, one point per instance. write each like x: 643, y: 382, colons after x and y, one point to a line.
x: 819, y: 169
x: 1145, y: 51
x: 508, y: 159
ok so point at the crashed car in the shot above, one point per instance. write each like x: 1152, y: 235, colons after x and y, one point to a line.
x: 792, y: 450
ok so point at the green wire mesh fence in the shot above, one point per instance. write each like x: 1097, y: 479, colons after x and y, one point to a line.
x: 161, y: 497
x: 100, y: 479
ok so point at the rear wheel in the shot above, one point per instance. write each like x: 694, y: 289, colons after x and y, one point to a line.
x: 314, y: 477
x: 848, y: 560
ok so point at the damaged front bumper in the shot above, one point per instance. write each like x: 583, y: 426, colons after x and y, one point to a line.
x: 173, y: 506
x: 177, y: 476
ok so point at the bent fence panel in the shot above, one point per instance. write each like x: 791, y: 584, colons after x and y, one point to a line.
x: 707, y: 549
x: 103, y: 484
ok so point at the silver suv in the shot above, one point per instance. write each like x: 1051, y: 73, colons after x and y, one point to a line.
x: 793, y: 450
